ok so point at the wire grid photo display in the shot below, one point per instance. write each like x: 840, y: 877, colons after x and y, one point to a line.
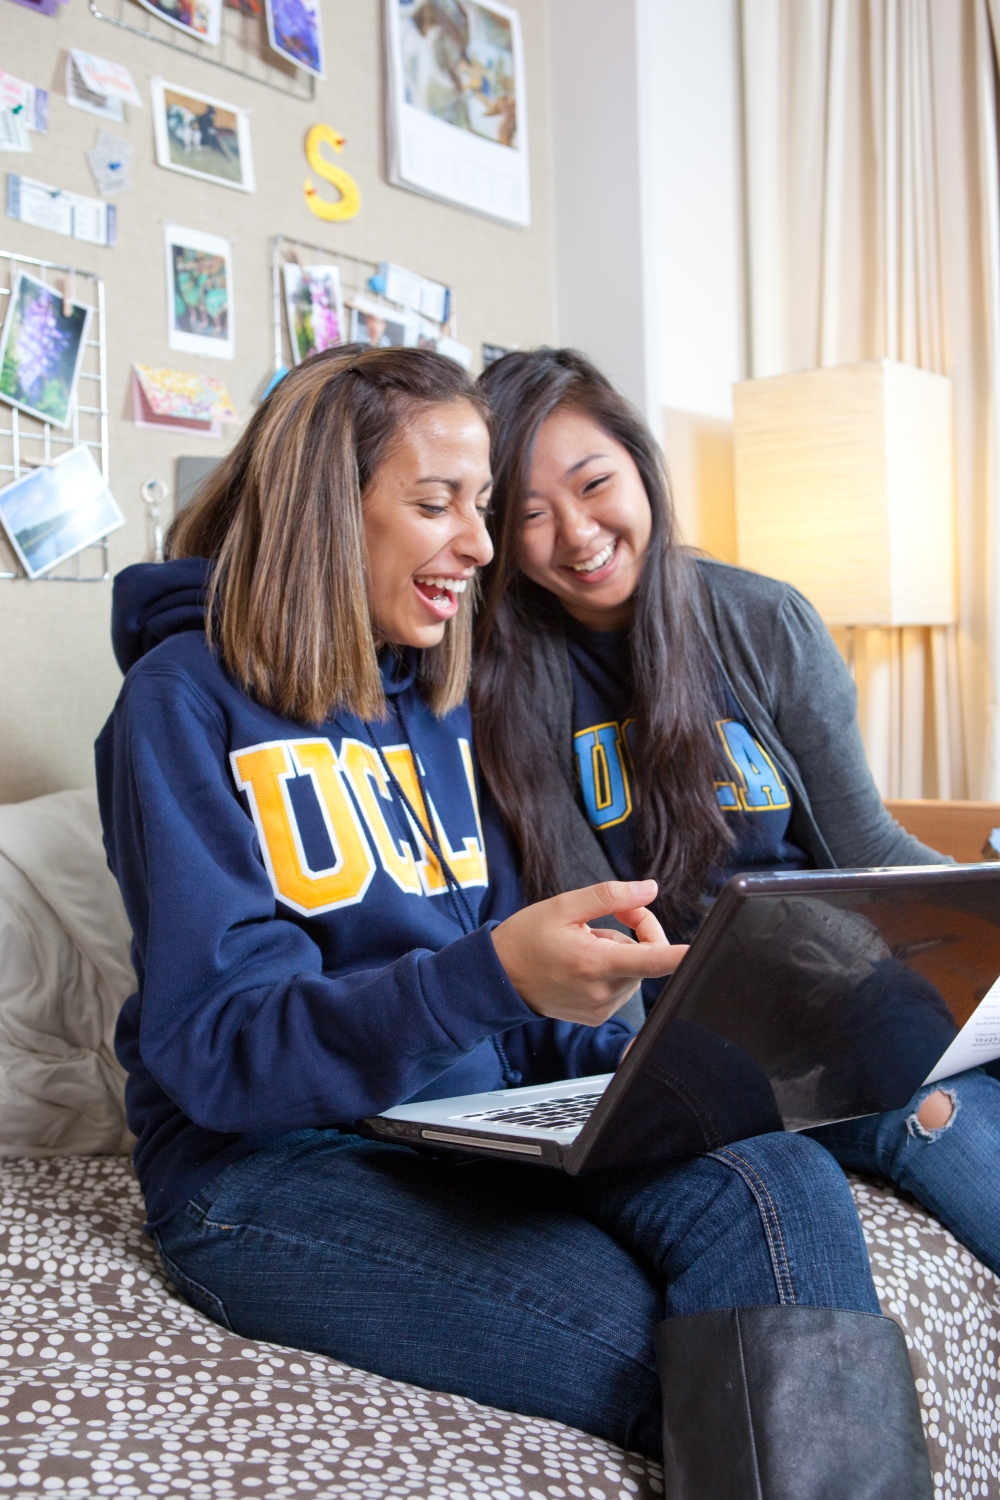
x: 242, y: 45
x: 26, y: 440
x: 354, y: 275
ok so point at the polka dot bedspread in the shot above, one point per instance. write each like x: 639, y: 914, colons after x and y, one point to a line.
x: 110, y: 1385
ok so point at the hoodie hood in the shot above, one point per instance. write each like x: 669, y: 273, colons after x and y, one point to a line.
x: 151, y: 601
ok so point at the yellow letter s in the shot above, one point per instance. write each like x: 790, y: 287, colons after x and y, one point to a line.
x: 347, y: 205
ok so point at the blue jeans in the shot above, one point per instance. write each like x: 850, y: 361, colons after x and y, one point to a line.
x: 952, y: 1171
x: 514, y: 1285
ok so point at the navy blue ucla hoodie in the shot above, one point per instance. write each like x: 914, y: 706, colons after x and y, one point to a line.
x: 301, y: 959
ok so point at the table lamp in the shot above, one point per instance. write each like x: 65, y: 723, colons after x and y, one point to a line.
x: 845, y: 488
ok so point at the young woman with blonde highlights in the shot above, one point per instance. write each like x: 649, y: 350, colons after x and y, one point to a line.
x: 327, y: 924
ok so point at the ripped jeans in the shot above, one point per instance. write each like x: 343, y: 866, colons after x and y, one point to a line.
x: 952, y: 1171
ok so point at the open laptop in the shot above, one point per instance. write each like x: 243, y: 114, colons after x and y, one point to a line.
x: 804, y: 999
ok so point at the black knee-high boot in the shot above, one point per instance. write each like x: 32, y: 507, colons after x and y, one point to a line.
x: 789, y: 1403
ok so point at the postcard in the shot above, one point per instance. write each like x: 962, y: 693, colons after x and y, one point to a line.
x: 199, y: 18
x: 456, y: 105
x: 42, y: 7
x: 24, y: 99
x: 199, y: 292
x: 201, y: 136
x: 295, y: 31
x: 73, y: 214
x: 429, y: 298
x: 186, y: 403
x: 14, y: 131
x: 58, y: 509
x: 79, y: 96
x: 41, y: 350
x: 111, y: 79
x: 315, y: 308
x: 109, y: 162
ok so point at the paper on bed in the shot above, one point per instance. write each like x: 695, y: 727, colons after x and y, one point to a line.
x: 978, y: 1041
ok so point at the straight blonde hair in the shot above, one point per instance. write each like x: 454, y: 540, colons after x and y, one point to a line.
x: 281, y: 519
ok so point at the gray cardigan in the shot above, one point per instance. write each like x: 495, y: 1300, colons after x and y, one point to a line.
x: 798, y: 701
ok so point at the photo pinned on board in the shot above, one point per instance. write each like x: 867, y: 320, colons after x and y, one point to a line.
x: 199, y: 18
x: 41, y: 350
x: 314, y: 305
x: 379, y: 326
x: 201, y: 136
x: 56, y: 510
x: 199, y: 292
x: 456, y: 106
x: 295, y: 32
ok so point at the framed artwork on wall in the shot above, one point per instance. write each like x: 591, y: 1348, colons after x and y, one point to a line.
x: 201, y: 136
x: 199, y: 292
x: 457, y: 124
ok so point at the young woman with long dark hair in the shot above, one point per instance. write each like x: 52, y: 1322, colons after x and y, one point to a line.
x: 291, y: 809
x: 644, y: 712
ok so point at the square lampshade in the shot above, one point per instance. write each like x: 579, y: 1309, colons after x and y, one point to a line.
x: 845, y: 488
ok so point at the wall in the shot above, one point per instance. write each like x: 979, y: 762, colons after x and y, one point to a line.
x: 648, y: 230
x: 58, y: 679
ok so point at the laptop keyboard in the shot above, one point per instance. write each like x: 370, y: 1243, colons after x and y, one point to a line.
x: 551, y: 1114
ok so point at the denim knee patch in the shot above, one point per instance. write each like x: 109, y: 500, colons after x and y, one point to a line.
x: 915, y: 1125
x: 199, y: 1296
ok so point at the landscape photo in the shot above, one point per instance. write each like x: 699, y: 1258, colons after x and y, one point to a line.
x: 56, y: 510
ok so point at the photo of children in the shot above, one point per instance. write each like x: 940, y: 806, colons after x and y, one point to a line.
x: 41, y: 351
x: 199, y: 293
x: 458, y: 65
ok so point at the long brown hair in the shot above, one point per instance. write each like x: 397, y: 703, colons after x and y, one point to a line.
x: 280, y: 517
x: 681, y: 833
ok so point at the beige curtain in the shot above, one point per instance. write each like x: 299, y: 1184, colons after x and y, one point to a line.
x: 873, y: 231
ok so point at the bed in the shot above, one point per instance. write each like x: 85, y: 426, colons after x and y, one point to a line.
x: 111, y: 1385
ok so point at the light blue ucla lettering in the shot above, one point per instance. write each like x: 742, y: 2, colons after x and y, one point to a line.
x: 600, y: 758
x: 757, y: 787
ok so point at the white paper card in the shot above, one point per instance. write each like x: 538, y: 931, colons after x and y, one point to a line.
x: 416, y: 292
x: 72, y: 214
x: 14, y: 131
x: 978, y: 1041
x: 109, y: 163
x: 24, y: 99
x: 111, y: 79
x: 81, y: 97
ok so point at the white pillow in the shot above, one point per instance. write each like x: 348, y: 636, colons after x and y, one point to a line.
x: 65, y: 971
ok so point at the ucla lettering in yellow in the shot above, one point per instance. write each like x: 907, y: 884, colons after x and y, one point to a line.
x: 352, y: 792
x: 604, y: 761
x: 756, y: 786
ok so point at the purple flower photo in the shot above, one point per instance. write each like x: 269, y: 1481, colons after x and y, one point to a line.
x: 294, y: 31
x: 41, y: 351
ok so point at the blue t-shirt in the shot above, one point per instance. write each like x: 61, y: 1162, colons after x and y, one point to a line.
x: 751, y: 792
